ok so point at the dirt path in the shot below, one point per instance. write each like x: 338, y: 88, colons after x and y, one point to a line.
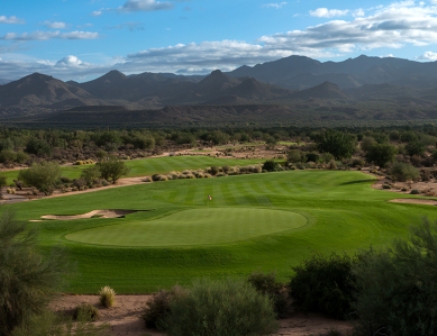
x: 125, y: 317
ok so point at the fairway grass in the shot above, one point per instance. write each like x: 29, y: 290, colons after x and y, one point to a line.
x: 150, y: 166
x: 262, y: 222
x: 194, y: 227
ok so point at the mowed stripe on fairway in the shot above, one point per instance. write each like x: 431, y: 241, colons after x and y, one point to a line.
x: 210, y: 226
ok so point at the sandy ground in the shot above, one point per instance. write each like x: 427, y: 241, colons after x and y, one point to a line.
x: 95, y: 213
x: 125, y: 317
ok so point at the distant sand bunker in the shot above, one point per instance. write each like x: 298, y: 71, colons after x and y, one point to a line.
x: 415, y: 201
x: 94, y: 213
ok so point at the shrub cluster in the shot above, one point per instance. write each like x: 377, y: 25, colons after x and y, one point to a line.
x: 212, y: 308
x: 323, y: 284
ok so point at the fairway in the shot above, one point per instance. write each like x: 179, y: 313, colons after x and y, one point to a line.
x: 194, y: 227
x: 261, y: 222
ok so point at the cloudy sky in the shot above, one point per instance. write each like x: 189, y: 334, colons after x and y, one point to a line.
x: 83, y: 39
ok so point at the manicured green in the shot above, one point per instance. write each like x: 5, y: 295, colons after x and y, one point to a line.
x: 150, y: 166
x: 194, y: 227
x: 243, y: 229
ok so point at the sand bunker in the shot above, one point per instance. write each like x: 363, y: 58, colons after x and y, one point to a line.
x: 415, y: 201
x: 94, y: 213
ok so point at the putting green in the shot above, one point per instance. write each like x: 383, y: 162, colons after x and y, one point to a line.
x: 193, y: 227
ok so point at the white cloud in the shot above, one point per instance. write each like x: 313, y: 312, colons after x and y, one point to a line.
x: 10, y: 20
x: 400, y: 24
x: 41, y: 36
x: 145, y: 5
x: 429, y: 56
x: 55, y: 24
x: 97, y: 13
x: 70, y: 61
x: 328, y: 13
x: 275, y: 5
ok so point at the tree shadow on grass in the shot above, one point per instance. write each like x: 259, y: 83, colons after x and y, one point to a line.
x: 359, y: 181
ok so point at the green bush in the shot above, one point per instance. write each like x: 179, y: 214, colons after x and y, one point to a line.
x: 397, y: 288
x: 404, y: 172
x: 267, y: 284
x: 158, y: 308
x: 324, y: 285
x: 28, y: 279
x: 41, y: 176
x: 213, y: 308
x: 86, y: 312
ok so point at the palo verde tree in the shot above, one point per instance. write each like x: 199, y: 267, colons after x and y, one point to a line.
x: 112, y: 169
x: 27, y: 278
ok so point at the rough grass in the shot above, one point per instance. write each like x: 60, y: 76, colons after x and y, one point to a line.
x: 342, y: 211
x: 152, y: 166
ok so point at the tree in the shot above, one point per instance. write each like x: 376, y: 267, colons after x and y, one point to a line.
x: 112, y: 169
x: 41, y: 176
x: 339, y: 144
x: 415, y: 147
x: 91, y: 175
x: 396, y: 289
x: 404, y: 172
x: 381, y: 154
x: 27, y: 278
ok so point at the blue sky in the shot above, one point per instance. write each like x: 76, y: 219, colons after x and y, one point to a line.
x: 83, y: 39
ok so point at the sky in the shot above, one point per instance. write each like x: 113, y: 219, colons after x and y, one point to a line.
x: 83, y: 39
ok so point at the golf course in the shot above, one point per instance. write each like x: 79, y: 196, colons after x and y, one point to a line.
x: 229, y: 226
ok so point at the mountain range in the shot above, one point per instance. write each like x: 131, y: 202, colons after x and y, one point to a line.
x: 292, y: 81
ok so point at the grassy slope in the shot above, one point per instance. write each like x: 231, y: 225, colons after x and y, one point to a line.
x: 150, y: 166
x: 343, y: 213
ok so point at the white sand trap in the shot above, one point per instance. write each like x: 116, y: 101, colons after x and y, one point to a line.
x: 415, y: 201
x: 94, y: 213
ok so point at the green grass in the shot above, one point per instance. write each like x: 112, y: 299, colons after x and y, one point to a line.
x: 194, y: 227
x: 150, y: 166
x: 263, y: 222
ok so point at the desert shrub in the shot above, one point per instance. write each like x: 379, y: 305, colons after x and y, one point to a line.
x: 326, y: 157
x: 21, y: 157
x: 214, y: 308
x: 107, y: 296
x: 112, y: 169
x: 312, y: 157
x: 226, y: 169
x: 295, y: 156
x: 91, y: 175
x: 414, y: 192
x: 65, y: 179
x: 270, y: 166
x: 403, y: 172
x: 221, y: 175
x: 49, y: 323
x: 7, y: 156
x: 214, y: 170
x: 323, y: 284
x: 386, y: 186
x: 158, y: 308
x: 28, y: 279
x: 267, y: 284
x: 332, y: 165
x: 79, y: 183
x: 147, y: 179
x: 86, y: 312
x: 159, y: 178
x: 41, y: 176
x: 206, y: 175
x: 396, y: 288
